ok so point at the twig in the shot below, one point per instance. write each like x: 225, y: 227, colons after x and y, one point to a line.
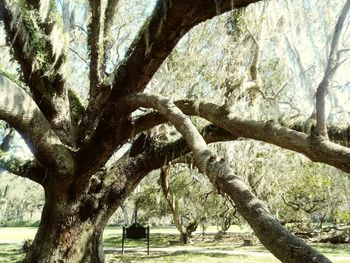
x: 76, y: 53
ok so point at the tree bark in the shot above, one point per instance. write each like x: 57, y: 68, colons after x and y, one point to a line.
x: 64, y: 235
x: 19, y: 110
x: 276, y: 238
x: 75, y: 213
x: 78, y: 203
x: 71, y: 229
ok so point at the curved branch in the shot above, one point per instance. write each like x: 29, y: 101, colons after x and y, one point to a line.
x: 170, y: 21
x: 20, y: 111
x: 287, y: 247
x: 274, y: 133
x: 290, y: 137
x: 123, y: 176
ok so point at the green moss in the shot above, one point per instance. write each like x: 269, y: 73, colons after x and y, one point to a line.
x: 11, y: 77
x: 37, y: 43
x: 76, y: 107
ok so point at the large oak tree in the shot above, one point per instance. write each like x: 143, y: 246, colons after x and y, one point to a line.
x: 72, y: 144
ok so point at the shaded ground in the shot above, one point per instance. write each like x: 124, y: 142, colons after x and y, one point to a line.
x: 203, y: 249
x: 229, y: 249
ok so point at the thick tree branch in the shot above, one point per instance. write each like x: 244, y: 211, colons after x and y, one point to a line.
x: 20, y: 111
x: 169, y: 22
x: 271, y: 132
x: 28, y: 169
x: 99, y: 45
x: 111, y: 9
x: 332, y: 65
x: 95, y: 46
x: 287, y: 247
x: 290, y: 137
x: 336, y: 134
x: 123, y: 176
x: 41, y: 56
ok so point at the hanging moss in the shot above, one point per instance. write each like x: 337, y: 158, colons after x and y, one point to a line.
x: 37, y: 44
x: 35, y: 41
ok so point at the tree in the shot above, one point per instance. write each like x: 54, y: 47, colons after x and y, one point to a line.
x: 72, y: 142
x: 180, y: 194
x: 20, y: 201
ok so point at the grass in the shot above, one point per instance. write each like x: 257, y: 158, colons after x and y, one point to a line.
x: 185, y: 256
x: 333, y: 250
x: 10, y: 253
x: 201, y: 251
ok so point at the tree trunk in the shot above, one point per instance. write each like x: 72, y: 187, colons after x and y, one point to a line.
x: 68, y: 232
x: 125, y: 214
x: 173, y: 205
x: 184, y: 238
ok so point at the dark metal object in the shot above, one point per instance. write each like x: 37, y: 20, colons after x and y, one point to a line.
x: 135, y: 231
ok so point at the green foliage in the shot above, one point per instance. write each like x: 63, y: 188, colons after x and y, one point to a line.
x: 21, y: 201
x: 195, y: 198
x: 343, y: 217
x: 302, y: 194
x: 7, y: 162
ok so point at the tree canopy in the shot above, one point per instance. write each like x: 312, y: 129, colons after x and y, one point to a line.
x: 89, y: 85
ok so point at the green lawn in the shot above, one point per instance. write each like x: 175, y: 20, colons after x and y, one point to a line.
x: 180, y: 257
x: 201, y: 251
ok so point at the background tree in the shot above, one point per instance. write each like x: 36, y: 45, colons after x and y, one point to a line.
x: 184, y: 195
x: 73, y: 143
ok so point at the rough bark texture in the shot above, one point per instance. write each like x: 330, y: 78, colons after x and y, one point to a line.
x: 64, y: 236
x: 18, y: 109
x: 288, y: 136
x: 284, y: 245
x: 153, y: 44
x: 277, y: 239
x: 81, y: 192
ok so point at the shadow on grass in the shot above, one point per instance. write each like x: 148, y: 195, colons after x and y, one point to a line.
x: 184, y: 253
x: 178, y: 256
x: 156, y: 240
x: 10, y: 253
x: 332, y: 249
